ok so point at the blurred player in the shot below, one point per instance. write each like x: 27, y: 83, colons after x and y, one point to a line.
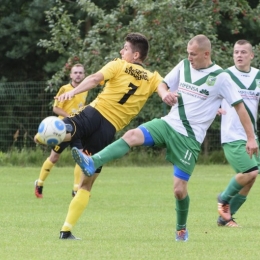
x: 64, y: 109
x: 233, y: 136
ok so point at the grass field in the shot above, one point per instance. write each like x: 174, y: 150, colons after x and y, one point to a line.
x: 131, y: 215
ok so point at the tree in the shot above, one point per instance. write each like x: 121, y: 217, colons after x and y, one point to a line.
x: 44, y: 38
x: 168, y: 24
x: 22, y: 25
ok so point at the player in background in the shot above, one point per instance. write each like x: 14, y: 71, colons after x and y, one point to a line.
x: 128, y: 86
x: 64, y: 109
x: 201, y: 86
x: 233, y: 136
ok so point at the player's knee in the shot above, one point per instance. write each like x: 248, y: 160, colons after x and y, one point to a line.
x: 251, y: 173
x: 179, y: 192
x: 250, y: 177
x: 254, y: 174
x: 180, y: 189
x: 86, y: 183
x: 134, y: 137
x: 54, y: 157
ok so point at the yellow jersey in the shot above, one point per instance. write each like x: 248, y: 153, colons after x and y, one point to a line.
x: 127, y: 88
x: 71, y: 106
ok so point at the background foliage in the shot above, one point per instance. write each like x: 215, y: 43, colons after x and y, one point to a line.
x: 41, y: 40
x: 168, y: 25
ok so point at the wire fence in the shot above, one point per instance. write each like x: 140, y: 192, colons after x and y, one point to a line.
x: 23, y: 105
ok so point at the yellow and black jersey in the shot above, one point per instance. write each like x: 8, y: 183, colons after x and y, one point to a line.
x: 127, y: 88
x: 71, y: 106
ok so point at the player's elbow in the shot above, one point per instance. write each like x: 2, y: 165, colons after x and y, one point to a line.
x: 97, y: 78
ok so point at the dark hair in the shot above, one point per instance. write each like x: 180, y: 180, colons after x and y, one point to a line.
x: 139, y: 44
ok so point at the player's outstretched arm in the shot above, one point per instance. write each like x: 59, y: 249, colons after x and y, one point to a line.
x: 87, y: 84
x: 170, y: 98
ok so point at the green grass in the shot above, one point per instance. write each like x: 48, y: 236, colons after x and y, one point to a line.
x: 131, y: 215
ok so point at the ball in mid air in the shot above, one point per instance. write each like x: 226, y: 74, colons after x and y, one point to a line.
x: 51, y: 131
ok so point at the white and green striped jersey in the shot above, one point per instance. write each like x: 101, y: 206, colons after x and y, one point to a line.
x: 200, y: 95
x: 248, y: 85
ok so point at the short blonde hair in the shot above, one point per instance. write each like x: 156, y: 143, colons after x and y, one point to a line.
x: 202, y: 41
x: 244, y: 42
x: 78, y: 65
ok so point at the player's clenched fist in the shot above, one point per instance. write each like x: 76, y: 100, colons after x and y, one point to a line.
x: 170, y: 98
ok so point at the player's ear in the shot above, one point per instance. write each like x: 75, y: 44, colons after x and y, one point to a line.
x: 136, y: 55
x: 207, y: 54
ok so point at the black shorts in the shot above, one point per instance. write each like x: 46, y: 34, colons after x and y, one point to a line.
x: 91, y: 131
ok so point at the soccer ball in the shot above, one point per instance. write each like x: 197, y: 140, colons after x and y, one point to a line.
x: 51, y: 131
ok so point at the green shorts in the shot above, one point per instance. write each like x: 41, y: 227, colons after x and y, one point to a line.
x: 238, y: 158
x: 181, y: 150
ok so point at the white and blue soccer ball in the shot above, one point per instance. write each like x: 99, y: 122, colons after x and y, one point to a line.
x: 51, y: 131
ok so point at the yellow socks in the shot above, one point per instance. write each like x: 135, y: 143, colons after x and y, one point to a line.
x: 45, y: 170
x: 76, y: 208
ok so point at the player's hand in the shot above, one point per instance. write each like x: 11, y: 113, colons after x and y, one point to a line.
x: 170, y: 98
x: 65, y: 96
x: 221, y: 112
x: 252, y: 147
